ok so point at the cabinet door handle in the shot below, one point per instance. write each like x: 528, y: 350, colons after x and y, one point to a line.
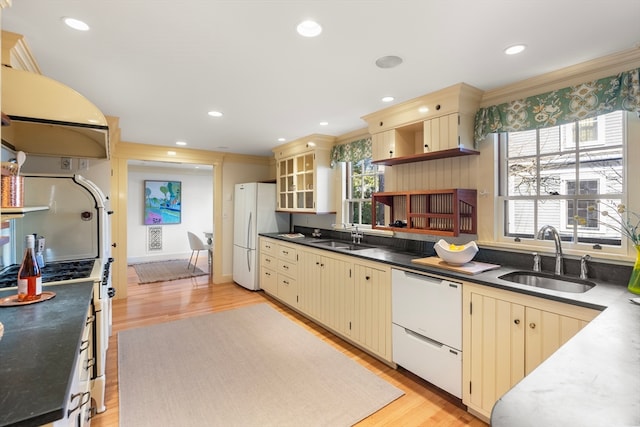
x: 517, y: 321
x: 532, y: 325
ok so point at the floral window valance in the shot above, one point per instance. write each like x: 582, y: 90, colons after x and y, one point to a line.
x: 351, y: 151
x: 583, y: 101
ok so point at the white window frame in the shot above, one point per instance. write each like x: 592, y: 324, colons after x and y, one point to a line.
x: 345, y: 200
x: 625, y: 246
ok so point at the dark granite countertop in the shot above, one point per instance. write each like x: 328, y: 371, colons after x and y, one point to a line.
x: 592, y: 380
x: 38, y: 353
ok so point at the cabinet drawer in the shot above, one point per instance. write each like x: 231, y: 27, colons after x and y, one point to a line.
x: 287, y: 253
x: 268, y: 280
x: 436, y: 363
x: 269, y: 261
x: 268, y: 247
x: 287, y: 289
x: 288, y: 268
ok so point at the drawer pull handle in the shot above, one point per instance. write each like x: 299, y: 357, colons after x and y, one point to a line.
x: 285, y: 252
x: 90, y: 319
x: 90, y: 363
x: 84, y: 398
x: 84, y: 345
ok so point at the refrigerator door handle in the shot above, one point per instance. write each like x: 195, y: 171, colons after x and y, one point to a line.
x: 249, y: 232
x: 248, y: 260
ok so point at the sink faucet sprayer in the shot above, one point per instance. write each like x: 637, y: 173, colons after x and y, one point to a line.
x: 558, y: 242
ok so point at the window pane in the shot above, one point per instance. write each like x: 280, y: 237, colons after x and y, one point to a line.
x: 550, y: 140
x: 519, y: 218
x: 356, y: 187
x: 522, y: 143
x: 605, y: 166
x: 554, y: 170
x: 523, y: 179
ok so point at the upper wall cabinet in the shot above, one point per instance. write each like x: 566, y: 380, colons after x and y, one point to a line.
x: 304, y: 176
x: 433, y: 126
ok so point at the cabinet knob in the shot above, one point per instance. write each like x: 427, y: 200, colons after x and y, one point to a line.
x: 532, y: 325
x: 517, y: 321
x: 367, y: 277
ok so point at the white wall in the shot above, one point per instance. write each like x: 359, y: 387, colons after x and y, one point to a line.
x: 197, y: 211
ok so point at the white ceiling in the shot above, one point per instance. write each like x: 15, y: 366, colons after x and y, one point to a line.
x: 161, y: 65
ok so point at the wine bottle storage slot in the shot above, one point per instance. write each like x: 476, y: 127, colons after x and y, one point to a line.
x: 440, y: 212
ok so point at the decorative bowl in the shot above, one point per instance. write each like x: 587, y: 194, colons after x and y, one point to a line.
x: 456, y: 254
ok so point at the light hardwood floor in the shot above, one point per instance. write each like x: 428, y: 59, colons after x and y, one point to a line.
x: 421, y: 405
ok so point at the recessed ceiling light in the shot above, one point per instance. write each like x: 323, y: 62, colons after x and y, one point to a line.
x: 388, y: 99
x: 423, y: 109
x: 171, y: 153
x: 324, y: 123
x: 388, y: 61
x: 215, y: 113
x: 515, y: 49
x: 309, y: 29
x: 76, y: 24
x: 282, y: 139
x: 181, y: 143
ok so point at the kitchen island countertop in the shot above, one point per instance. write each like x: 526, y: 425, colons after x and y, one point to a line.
x: 592, y: 380
x: 38, y: 352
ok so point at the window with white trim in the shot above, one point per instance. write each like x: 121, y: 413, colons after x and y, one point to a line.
x: 363, y: 178
x: 565, y: 176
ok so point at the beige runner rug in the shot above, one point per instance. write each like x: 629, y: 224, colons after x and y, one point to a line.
x: 164, y: 271
x: 245, y: 367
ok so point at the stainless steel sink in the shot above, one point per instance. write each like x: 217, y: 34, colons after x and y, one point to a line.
x: 338, y: 244
x: 549, y: 281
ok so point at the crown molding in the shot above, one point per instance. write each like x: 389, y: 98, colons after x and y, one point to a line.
x: 586, y: 71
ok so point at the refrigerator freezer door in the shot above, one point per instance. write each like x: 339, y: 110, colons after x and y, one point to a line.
x: 245, y: 268
x: 244, y: 215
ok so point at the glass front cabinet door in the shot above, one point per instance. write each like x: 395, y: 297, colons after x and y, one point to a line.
x: 304, y: 175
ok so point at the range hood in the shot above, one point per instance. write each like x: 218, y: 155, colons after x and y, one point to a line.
x: 49, y: 118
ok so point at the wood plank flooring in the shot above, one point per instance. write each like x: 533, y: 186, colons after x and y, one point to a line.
x: 422, y: 404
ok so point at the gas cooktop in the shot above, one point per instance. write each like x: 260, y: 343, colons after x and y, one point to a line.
x: 52, y: 272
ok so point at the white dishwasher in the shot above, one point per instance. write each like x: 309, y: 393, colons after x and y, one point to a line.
x: 427, y: 328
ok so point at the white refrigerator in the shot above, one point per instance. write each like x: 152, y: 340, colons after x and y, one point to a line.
x: 254, y: 212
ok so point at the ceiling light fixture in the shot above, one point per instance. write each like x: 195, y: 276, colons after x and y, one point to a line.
x: 215, y: 113
x: 515, y: 49
x: 388, y: 99
x: 282, y: 139
x: 423, y: 110
x: 171, y: 153
x: 309, y: 29
x: 324, y: 123
x: 76, y: 24
x: 388, y: 61
x: 181, y: 143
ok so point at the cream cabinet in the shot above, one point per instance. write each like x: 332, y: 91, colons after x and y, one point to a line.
x: 371, y: 314
x: 304, y: 175
x: 279, y: 270
x: 506, y: 335
x: 448, y: 132
x: 434, y: 126
x: 269, y: 265
x: 345, y: 294
x: 390, y: 144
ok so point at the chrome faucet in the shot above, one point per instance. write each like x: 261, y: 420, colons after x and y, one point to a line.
x: 558, y: 242
x: 584, y: 269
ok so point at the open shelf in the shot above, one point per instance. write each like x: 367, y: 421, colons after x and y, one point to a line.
x: 438, y: 212
x: 421, y: 157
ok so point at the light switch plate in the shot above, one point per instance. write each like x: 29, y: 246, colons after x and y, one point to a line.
x: 65, y: 163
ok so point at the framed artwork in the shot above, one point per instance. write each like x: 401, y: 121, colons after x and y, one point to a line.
x: 162, y: 202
